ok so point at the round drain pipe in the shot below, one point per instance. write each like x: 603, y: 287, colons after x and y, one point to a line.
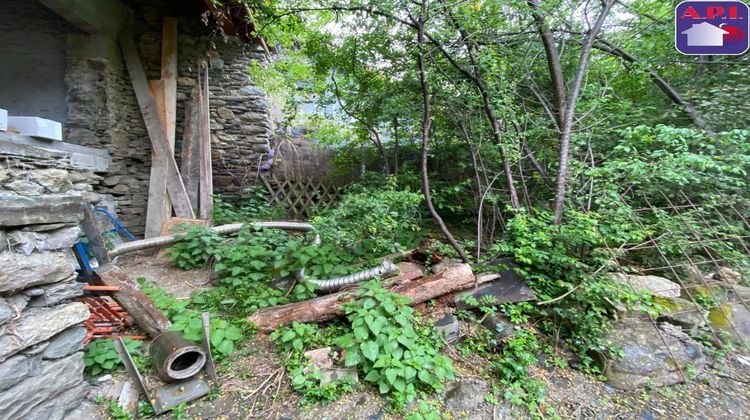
x: 176, y: 358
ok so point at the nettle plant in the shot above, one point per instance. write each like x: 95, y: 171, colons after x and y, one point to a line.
x: 195, y: 248
x: 389, y: 346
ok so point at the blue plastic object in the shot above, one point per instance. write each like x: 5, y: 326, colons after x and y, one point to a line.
x: 82, y: 251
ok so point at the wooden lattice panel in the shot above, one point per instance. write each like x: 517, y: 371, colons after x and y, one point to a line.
x: 299, y: 197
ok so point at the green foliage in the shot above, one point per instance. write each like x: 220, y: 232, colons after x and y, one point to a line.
x: 195, y: 248
x: 387, y: 344
x: 511, y: 366
x: 371, y: 221
x: 224, y: 335
x: 556, y: 259
x: 306, y: 378
x: 252, y: 204
x: 101, y: 356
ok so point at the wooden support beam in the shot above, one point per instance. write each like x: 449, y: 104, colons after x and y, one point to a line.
x: 164, y: 92
x: 189, y: 155
x: 206, y: 189
x: 155, y: 129
x: 159, y: 206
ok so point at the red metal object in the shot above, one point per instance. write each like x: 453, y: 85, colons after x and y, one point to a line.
x: 107, y: 320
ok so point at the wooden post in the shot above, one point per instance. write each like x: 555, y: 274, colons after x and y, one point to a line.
x: 155, y: 129
x: 190, y: 159
x: 164, y: 92
x: 206, y: 191
x: 96, y: 243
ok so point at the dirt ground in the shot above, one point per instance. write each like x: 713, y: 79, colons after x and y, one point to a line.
x: 254, y: 384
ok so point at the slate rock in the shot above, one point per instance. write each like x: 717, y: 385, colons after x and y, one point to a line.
x: 39, y: 324
x: 27, y: 242
x: 500, y: 326
x: 67, y: 405
x: 450, y: 327
x: 65, y: 343
x: 25, y: 187
x: 16, y: 210
x: 25, y: 399
x: 55, y: 180
x: 466, y: 395
x: 14, y: 370
x: 24, y: 271
x: 58, y: 292
x: 646, y: 359
x: 251, y: 91
x: 682, y: 313
x: 35, y: 349
x: 658, y: 286
x: 727, y: 275
x: 733, y: 318
x: 510, y: 287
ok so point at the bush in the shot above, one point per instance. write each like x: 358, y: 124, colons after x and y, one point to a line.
x: 371, y: 221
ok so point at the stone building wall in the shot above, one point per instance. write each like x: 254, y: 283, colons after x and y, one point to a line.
x: 41, y: 332
x: 103, y: 111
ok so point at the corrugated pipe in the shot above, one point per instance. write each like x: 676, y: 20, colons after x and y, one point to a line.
x: 387, y: 268
x: 234, y: 227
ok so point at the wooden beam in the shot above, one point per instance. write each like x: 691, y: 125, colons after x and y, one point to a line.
x: 155, y: 129
x: 159, y: 206
x: 206, y: 189
x: 91, y: 16
x: 189, y: 154
x: 169, y: 73
x: 96, y: 242
x: 164, y: 92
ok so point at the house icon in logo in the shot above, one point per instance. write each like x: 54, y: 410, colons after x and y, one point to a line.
x: 705, y: 35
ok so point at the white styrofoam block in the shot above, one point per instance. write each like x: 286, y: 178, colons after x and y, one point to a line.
x: 3, y: 119
x: 36, y: 127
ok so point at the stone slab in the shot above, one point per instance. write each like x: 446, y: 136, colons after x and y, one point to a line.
x: 39, y: 268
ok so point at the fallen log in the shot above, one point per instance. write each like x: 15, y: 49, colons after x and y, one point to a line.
x: 324, y: 308
x: 132, y: 299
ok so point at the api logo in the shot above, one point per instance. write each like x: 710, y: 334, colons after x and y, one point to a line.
x: 712, y: 27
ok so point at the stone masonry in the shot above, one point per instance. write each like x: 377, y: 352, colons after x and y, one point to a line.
x: 41, y: 332
x: 103, y: 111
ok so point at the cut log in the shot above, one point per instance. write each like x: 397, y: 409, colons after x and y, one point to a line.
x: 132, y: 299
x: 454, y: 278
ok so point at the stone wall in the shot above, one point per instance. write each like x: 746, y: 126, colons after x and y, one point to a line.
x: 41, y: 332
x: 104, y: 113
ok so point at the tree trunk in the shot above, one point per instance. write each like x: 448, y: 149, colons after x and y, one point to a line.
x: 452, y: 279
x: 425, y: 146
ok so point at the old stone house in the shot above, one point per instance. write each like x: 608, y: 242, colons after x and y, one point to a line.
x: 61, y: 61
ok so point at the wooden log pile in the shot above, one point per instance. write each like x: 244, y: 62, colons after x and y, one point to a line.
x: 452, y: 279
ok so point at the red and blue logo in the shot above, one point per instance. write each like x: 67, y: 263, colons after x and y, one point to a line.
x: 712, y: 27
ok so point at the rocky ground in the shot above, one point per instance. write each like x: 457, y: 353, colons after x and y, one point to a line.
x: 254, y: 384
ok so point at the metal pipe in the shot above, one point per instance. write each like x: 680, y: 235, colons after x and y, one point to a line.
x: 175, y: 357
x: 387, y: 268
x: 224, y: 229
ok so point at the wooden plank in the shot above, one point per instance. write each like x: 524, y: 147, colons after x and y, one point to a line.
x: 155, y: 129
x: 206, y: 190
x: 189, y: 154
x: 169, y: 74
x: 96, y: 243
x: 159, y: 207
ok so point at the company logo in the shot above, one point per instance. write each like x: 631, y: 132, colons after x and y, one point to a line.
x: 712, y: 27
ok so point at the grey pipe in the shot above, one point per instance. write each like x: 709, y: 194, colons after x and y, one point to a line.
x: 224, y: 229
x: 387, y: 268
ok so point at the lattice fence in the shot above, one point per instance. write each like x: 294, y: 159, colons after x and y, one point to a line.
x: 300, y: 197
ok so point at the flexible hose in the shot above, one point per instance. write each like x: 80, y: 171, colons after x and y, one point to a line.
x: 385, y: 269
x: 224, y: 229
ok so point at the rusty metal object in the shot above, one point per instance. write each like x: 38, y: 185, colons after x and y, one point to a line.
x: 107, y: 319
x: 176, y: 358
x: 180, y: 391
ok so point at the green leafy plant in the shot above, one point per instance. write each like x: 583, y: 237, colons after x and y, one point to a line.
x: 308, y: 380
x: 101, y: 356
x: 224, y: 335
x: 387, y: 344
x: 195, y: 247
